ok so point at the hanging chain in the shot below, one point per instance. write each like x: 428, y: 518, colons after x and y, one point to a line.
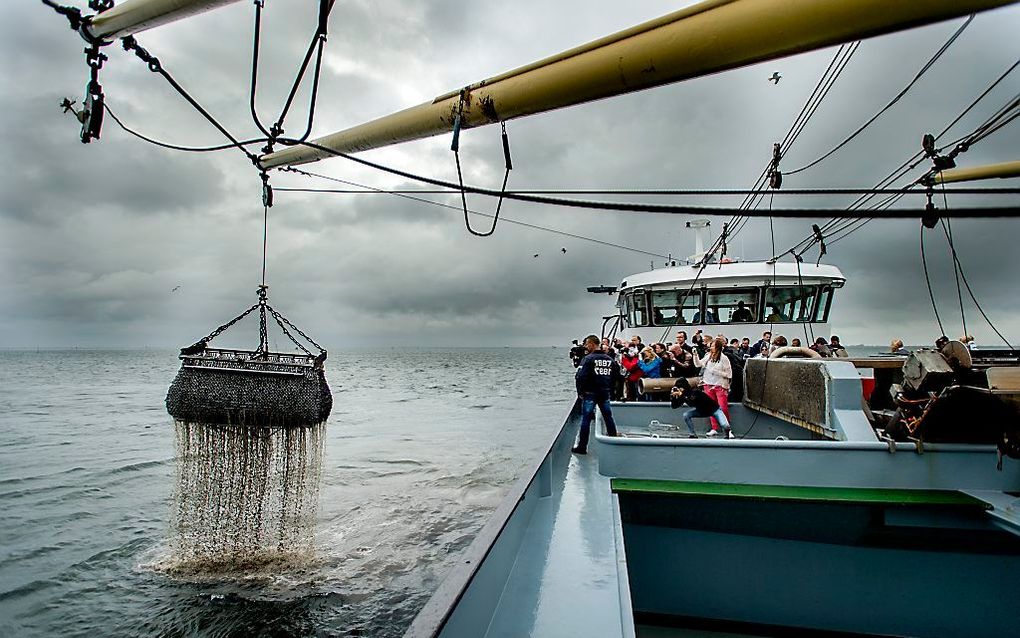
x: 295, y: 329
x: 200, y: 344
x: 263, y: 350
x: 286, y: 332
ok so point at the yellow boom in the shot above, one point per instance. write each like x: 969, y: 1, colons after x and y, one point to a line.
x: 989, y: 171
x: 706, y: 38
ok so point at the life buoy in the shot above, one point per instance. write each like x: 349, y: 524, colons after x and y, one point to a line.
x: 794, y: 352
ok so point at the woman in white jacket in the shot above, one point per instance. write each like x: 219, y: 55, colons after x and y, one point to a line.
x: 716, y: 375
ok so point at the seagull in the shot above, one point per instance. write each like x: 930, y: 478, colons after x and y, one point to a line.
x: 175, y: 289
x: 775, y: 77
x: 563, y: 250
x: 535, y: 255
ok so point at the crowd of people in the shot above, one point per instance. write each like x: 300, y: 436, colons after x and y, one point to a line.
x: 716, y: 360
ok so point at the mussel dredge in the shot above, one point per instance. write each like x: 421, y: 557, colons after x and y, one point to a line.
x: 861, y: 496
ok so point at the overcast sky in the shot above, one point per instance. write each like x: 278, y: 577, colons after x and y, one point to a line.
x: 94, y: 239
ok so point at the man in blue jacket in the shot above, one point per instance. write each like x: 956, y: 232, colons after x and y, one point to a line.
x: 594, y: 379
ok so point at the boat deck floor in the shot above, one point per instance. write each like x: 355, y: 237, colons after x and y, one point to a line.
x: 568, y: 582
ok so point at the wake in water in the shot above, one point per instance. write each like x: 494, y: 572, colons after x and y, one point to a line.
x: 246, y: 496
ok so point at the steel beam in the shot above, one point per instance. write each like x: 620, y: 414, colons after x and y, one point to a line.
x: 706, y: 38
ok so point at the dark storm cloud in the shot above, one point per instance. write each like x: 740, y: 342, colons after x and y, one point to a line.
x: 95, y: 237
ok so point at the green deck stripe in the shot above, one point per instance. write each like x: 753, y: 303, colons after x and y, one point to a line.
x: 849, y: 495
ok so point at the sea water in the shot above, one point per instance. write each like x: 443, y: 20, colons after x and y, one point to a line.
x: 115, y: 518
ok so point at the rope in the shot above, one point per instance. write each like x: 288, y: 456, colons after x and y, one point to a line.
x: 317, y: 44
x: 455, y: 147
x: 981, y: 310
x: 927, y: 280
x: 130, y: 44
x: 906, y: 167
x: 649, y: 192
x: 970, y: 292
x: 924, y: 69
x: 175, y: 147
x: 956, y: 264
x: 507, y: 220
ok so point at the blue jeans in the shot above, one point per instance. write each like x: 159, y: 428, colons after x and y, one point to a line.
x: 588, y: 404
x: 718, y: 414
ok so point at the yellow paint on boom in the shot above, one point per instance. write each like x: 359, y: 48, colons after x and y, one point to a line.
x: 706, y: 38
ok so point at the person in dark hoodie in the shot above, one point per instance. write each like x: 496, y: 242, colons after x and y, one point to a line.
x: 701, y: 405
x: 594, y: 380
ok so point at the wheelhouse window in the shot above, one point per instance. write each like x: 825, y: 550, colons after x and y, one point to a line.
x: 789, y: 303
x: 675, y: 307
x: 824, y: 302
x: 739, y: 305
x: 637, y: 309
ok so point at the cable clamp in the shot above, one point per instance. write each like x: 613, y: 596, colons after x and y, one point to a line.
x: 820, y: 238
x: 267, y: 190
x: 130, y: 44
x: 930, y: 217
x: 939, y: 162
x: 458, y: 121
x: 775, y: 176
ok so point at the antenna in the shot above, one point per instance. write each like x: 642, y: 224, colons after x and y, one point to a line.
x: 699, y: 226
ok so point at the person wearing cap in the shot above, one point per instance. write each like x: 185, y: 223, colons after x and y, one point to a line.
x: 701, y: 405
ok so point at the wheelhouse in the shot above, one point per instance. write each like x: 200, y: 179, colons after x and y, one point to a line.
x: 749, y: 294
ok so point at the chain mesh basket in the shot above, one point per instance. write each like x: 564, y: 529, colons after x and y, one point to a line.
x: 251, y: 387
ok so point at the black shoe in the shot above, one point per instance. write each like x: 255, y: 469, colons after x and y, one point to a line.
x: 692, y: 436
x: 577, y: 450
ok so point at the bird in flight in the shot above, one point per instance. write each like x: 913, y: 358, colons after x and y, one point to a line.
x: 175, y: 289
x: 775, y: 77
x: 563, y: 250
x: 535, y: 255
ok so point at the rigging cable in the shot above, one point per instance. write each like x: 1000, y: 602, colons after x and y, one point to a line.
x: 927, y: 280
x: 833, y: 224
x: 924, y: 69
x: 455, y: 147
x: 795, y: 213
x: 175, y: 147
x: 316, y: 46
x: 825, y: 82
x: 970, y: 292
x: 423, y: 200
x: 130, y: 44
x: 956, y: 265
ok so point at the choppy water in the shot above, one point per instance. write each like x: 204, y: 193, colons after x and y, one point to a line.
x: 420, y: 448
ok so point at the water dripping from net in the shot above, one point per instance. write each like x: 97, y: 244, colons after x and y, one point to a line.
x: 246, y: 497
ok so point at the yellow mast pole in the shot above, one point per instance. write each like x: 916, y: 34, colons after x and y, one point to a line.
x: 989, y: 171
x: 706, y: 38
